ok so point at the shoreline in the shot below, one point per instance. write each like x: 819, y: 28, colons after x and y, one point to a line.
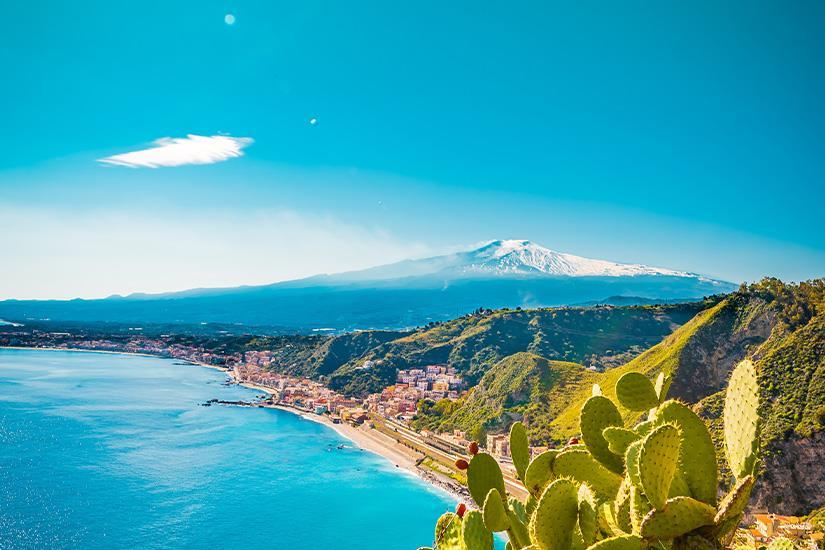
x: 365, y: 438
x: 369, y: 440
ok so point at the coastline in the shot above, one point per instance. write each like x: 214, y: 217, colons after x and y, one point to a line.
x: 370, y: 440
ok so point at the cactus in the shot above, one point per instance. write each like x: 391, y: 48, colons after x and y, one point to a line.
x: 619, y: 439
x: 598, y: 413
x: 540, y: 472
x: 448, y: 533
x: 742, y: 420
x: 635, y: 392
x: 519, y: 448
x: 579, y: 465
x: 484, y: 474
x: 652, y: 485
x: 474, y: 534
x: 588, y: 515
x: 556, y: 515
x: 495, y: 515
x: 679, y: 516
x: 622, y: 542
x: 658, y: 457
x: 697, y: 460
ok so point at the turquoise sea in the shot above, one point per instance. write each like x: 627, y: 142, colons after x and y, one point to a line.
x: 115, y: 451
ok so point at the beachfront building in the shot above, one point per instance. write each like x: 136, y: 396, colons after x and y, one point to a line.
x: 767, y: 527
x: 774, y: 525
x: 499, y: 445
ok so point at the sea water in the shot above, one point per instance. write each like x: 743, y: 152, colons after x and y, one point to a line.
x: 117, y: 451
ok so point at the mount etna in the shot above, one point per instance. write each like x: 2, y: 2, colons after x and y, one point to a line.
x: 503, y: 273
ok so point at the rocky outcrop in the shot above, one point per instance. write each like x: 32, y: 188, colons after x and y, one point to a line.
x: 707, y: 360
x: 792, y: 482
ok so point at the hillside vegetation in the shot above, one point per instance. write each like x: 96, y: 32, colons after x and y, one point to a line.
x: 781, y: 327
x: 603, y: 337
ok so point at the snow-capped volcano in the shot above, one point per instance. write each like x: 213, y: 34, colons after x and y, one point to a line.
x: 525, y: 257
x: 503, y: 259
x: 507, y: 273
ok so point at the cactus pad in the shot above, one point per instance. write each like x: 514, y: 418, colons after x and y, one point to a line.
x: 588, y: 513
x: 635, y: 392
x: 631, y: 460
x: 622, y: 542
x: 555, y: 517
x: 639, y: 508
x: 680, y: 515
x: 519, y: 448
x: 518, y: 508
x: 742, y: 420
x: 448, y: 533
x: 697, y: 458
x: 579, y: 465
x: 540, y: 472
x: 658, y: 458
x: 518, y: 532
x: 661, y: 386
x: 621, y: 508
x: 473, y: 532
x: 735, y: 502
x: 618, y: 439
x: 643, y: 428
x: 484, y: 474
x: 495, y: 515
x: 598, y: 413
x: 678, y: 487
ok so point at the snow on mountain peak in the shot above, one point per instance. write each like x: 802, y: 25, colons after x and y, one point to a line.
x: 525, y: 257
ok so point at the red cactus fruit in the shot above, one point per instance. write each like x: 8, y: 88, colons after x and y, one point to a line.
x: 473, y: 448
x: 462, y: 464
x: 461, y: 509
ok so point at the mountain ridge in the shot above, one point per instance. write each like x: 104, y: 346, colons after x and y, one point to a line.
x: 402, y: 295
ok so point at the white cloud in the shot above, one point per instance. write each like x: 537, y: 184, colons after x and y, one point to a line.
x: 180, y: 151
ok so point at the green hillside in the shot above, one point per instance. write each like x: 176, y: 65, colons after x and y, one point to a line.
x: 523, y: 386
x: 603, y: 337
x: 781, y: 327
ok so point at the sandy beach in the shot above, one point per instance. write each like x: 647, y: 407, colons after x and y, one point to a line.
x: 372, y: 441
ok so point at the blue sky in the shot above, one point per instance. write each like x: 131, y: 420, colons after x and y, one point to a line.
x: 684, y: 135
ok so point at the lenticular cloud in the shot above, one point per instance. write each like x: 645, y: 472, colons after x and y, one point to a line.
x: 180, y: 151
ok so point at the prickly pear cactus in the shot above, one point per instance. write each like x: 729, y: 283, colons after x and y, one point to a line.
x: 647, y: 486
x: 556, y: 515
x: 484, y: 474
x: 519, y: 448
x: 658, y: 457
x: 474, y: 534
x: 741, y: 418
x: 598, y: 413
x: 635, y: 392
x: 495, y: 514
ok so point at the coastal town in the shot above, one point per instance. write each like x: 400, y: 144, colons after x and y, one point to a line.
x: 380, y: 422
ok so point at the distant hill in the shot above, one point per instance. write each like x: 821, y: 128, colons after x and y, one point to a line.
x: 396, y: 296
